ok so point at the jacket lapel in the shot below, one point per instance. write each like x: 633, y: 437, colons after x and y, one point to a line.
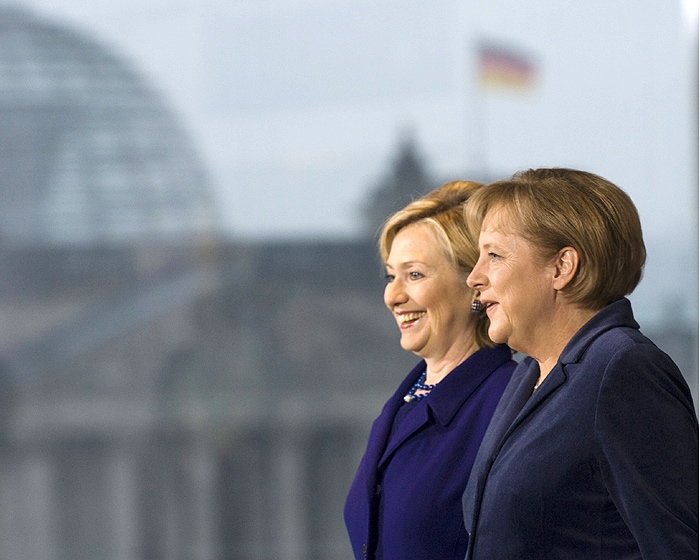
x: 381, y: 430
x: 512, y: 403
x: 517, y: 403
x: 413, y: 421
x: 521, y: 403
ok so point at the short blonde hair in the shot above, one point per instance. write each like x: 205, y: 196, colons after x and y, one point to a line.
x: 559, y: 207
x: 443, y: 210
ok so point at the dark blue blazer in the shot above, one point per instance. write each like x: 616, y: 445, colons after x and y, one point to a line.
x: 405, y: 501
x: 600, y: 463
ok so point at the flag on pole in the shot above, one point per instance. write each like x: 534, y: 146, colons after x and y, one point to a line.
x: 503, y: 67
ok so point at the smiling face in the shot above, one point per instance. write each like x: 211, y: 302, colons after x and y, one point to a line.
x: 516, y: 285
x: 429, y: 299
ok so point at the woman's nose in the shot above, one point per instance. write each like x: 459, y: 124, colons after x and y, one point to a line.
x: 394, y: 293
x: 475, y: 280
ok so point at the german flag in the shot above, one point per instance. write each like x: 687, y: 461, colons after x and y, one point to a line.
x: 502, y: 67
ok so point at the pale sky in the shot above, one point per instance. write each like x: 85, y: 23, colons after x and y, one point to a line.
x: 296, y: 106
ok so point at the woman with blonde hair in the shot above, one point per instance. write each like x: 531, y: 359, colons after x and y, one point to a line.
x: 405, y: 501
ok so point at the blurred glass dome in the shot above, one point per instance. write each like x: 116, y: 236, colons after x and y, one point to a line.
x: 89, y: 155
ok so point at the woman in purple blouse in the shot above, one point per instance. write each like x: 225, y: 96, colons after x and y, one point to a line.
x: 405, y: 501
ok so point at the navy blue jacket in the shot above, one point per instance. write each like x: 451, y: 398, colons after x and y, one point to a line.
x: 405, y: 501
x: 600, y: 463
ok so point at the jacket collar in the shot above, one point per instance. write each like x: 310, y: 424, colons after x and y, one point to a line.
x: 447, y: 398
x: 617, y: 314
x: 451, y: 393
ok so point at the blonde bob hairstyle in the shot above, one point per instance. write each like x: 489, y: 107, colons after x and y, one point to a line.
x: 443, y: 210
x: 557, y: 208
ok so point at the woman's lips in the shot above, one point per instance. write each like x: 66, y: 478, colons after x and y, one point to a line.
x: 409, y: 318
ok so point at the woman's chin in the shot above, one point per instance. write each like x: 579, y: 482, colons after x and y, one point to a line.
x: 410, y: 345
x: 497, y: 336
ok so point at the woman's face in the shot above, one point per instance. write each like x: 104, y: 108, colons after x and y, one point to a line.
x: 515, y: 285
x: 429, y: 299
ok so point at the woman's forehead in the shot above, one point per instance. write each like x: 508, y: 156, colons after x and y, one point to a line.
x: 502, y: 218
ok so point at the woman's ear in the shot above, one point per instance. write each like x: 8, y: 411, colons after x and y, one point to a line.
x: 565, y: 267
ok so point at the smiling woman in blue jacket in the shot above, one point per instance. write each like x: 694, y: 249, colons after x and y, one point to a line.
x: 405, y: 501
x: 592, y: 453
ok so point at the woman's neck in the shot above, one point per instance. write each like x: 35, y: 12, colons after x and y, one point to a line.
x: 438, y: 369
x: 560, y: 333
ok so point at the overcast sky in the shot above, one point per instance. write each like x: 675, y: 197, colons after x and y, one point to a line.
x: 296, y: 106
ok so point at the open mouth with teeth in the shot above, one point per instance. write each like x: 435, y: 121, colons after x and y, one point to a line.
x: 408, y: 319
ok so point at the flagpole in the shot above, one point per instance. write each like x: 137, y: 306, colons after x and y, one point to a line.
x: 475, y: 125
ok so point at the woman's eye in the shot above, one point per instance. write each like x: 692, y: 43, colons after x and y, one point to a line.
x: 415, y: 275
x: 494, y: 256
x: 389, y: 278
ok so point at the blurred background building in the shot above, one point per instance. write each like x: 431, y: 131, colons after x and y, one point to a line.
x: 169, y: 392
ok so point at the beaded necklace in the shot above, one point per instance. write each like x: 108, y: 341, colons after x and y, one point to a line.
x: 418, y: 385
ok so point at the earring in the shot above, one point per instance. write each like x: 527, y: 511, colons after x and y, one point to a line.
x: 477, y: 306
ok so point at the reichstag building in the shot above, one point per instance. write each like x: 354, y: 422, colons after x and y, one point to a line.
x: 165, y: 395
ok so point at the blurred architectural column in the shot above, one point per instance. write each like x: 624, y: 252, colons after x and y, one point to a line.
x: 203, y: 480
x: 288, y: 492
x: 38, y: 530
x: 123, y: 490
